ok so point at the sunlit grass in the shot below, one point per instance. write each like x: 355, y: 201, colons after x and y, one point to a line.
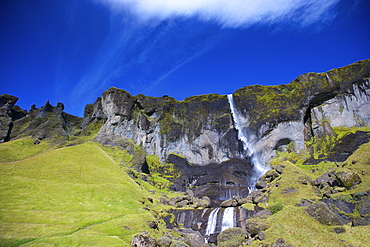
x: 50, y: 197
x: 21, y: 149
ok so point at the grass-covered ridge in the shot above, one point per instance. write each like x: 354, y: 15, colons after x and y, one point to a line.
x: 71, y: 196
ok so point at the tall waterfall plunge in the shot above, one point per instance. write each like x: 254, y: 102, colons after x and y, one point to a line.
x: 222, y: 219
x: 241, y: 125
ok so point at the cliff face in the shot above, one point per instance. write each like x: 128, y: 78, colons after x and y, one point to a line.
x: 201, y: 128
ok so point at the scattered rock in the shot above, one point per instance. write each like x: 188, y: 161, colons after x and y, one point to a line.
x: 272, y: 173
x: 176, y: 243
x: 339, y: 230
x: 326, y: 179
x: 261, y: 184
x: 263, y: 214
x: 323, y: 214
x: 143, y: 240
x: 281, y: 243
x: 153, y: 224
x: 359, y: 222
x: 253, y: 226
x: 164, y: 241
x: 231, y: 237
x: 194, y: 239
x: 229, y: 203
x: 261, y: 236
x: 287, y: 191
x: 347, y: 177
x: 304, y: 203
x: 182, y: 203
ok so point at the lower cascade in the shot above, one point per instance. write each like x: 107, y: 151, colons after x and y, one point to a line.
x: 218, y: 223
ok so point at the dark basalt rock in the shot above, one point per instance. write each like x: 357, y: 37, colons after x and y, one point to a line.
x: 321, y: 212
x: 222, y: 181
x: 281, y: 243
x: 164, y: 241
x: 339, y: 230
x: 218, y: 182
x: 9, y: 112
x: 304, y: 203
x: 143, y: 240
x: 254, y: 226
x: 347, y: 178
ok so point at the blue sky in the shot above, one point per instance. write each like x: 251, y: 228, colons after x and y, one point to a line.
x: 71, y: 51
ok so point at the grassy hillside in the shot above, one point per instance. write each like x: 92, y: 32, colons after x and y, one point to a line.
x: 292, y: 222
x: 72, y: 196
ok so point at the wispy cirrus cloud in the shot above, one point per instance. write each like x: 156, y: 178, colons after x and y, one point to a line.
x: 231, y: 13
x: 148, y: 40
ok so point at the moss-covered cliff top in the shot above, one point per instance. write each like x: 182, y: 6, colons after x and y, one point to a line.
x: 289, y: 102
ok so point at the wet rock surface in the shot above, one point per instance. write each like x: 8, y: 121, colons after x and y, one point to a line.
x: 218, y: 182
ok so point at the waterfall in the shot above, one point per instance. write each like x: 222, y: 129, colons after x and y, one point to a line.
x: 228, y: 219
x: 329, y: 79
x: 241, y: 125
x: 212, y: 223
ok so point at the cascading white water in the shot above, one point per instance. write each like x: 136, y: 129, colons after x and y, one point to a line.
x: 212, y: 222
x: 241, y: 125
x: 228, y: 219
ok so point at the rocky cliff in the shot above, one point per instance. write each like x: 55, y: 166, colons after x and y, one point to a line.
x: 201, y: 128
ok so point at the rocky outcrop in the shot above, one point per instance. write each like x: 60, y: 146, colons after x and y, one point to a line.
x: 283, y: 117
x: 143, y: 240
x: 9, y: 112
x: 48, y: 122
x: 201, y: 128
x: 321, y: 212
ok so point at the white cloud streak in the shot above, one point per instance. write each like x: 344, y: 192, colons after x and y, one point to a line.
x: 231, y: 13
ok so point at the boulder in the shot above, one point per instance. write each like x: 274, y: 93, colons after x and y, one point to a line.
x: 194, y: 239
x: 359, y: 222
x: 253, y: 226
x: 281, y: 243
x: 231, y: 237
x: 176, y: 243
x: 339, y: 229
x: 229, y: 203
x: 347, y: 178
x: 326, y: 179
x: 164, y: 241
x: 321, y: 212
x: 143, y: 240
x: 263, y: 214
x: 304, y: 203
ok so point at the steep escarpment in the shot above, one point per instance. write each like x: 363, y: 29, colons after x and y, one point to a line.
x: 307, y: 107
x: 201, y: 128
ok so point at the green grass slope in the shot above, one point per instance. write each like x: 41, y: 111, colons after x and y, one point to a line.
x: 72, y: 196
x: 292, y: 222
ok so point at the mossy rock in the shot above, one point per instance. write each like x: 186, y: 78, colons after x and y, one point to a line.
x: 321, y: 212
x: 231, y: 237
x: 347, y: 177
